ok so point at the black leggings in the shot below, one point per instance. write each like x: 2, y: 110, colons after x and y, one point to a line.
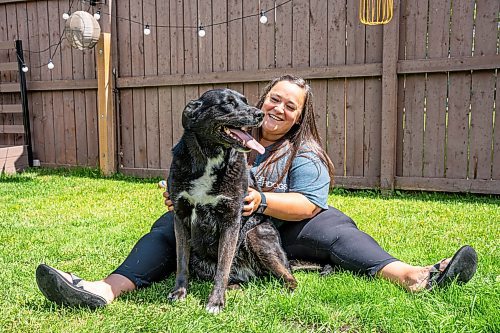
x: 330, y: 237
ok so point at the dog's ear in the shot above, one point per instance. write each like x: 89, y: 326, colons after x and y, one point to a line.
x: 189, y: 114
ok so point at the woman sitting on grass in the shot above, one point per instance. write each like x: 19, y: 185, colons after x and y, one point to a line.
x: 296, y: 173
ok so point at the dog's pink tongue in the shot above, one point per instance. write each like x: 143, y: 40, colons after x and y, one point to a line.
x: 248, y: 140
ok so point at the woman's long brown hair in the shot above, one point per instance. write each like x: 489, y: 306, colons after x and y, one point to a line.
x: 303, y: 136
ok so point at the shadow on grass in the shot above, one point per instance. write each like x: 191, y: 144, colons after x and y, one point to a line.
x: 443, y: 197
x: 78, y: 172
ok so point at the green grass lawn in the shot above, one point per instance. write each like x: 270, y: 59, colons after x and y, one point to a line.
x: 80, y: 222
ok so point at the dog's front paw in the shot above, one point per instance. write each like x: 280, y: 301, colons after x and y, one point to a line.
x: 215, y: 304
x: 177, y: 294
x: 214, y: 308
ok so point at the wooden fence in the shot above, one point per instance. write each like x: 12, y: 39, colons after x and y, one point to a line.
x: 408, y: 105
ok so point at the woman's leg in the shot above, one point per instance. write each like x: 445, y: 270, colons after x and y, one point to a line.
x: 332, y: 237
x: 151, y: 260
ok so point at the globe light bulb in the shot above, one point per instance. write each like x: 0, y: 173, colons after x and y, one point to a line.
x: 201, y: 31
x: 263, y: 17
x: 50, y: 65
x: 25, y: 68
x: 147, y: 30
x: 97, y: 15
x: 65, y: 16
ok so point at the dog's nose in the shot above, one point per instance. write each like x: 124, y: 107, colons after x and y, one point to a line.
x: 259, y: 115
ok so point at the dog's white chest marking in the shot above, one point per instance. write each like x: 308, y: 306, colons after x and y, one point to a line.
x: 203, y: 185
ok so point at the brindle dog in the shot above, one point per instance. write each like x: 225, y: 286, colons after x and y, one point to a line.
x: 208, y: 181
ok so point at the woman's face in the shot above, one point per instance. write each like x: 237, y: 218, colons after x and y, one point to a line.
x: 282, y: 108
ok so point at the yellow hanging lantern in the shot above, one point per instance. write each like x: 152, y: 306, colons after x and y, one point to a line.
x: 374, y: 12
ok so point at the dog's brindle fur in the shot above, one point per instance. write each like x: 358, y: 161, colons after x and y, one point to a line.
x: 208, y: 181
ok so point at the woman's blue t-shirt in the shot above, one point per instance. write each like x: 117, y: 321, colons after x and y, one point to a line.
x: 308, y: 175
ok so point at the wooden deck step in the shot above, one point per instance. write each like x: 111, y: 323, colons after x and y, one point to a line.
x: 11, y: 108
x: 12, y: 129
x: 9, y: 87
x: 8, y: 66
x: 7, y: 45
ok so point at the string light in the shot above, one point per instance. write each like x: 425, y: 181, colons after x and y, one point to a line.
x: 25, y: 68
x: 263, y: 17
x: 147, y: 28
x: 201, y: 31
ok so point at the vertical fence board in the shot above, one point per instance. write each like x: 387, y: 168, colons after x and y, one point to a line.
x: 373, y: 104
x: 92, y: 134
x: 190, y: 37
x: 89, y: 69
x: 205, y: 44
x: 163, y: 37
x: 35, y: 99
x: 127, y: 129
x: 165, y: 124
x: 336, y: 124
x: 399, y: 129
x: 336, y: 32
x: 165, y: 121
x: 436, y: 84
x: 150, y: 42
x: 401, y: 91
x: 235, y: 41
x: 496, y: 139
x: 483, y: 90
x: 413, y: 134
x: 80, y: 125
x: 125, y: 112
x: 459, y: 96
x: 68, y: 134
x: 320, y: 91
x: 235, y: 35
x: 251, y: 46
x: 355, y: 54
x: 177, y: 65
x: 57, y: 96
x: 137, y: 40
x: 250, y: 34
x: 219, y: 36
x: 283, y: 43
x: 152, y: 128
x: 266, y: 36
x: 336, y: 88
x: 317, y: 55
x: 47, y: 113
x: 191, y: 48
x: 300, y: 33
x: 318, y: 33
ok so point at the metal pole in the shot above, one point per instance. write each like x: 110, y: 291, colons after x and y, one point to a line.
x: 24, y: 100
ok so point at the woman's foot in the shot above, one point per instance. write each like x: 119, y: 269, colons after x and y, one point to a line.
x: 68, y: 289
x: 461, y: 268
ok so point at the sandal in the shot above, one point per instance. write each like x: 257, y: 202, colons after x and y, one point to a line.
x: 461, y: 269
x: 57, y: 289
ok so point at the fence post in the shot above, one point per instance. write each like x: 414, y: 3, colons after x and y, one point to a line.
x: 106, y: 110
x: 389, y: 102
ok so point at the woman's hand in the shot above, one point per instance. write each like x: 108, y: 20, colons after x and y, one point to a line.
x: 168, y: 202
x: 170, y: 205
x: 251, y: 202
